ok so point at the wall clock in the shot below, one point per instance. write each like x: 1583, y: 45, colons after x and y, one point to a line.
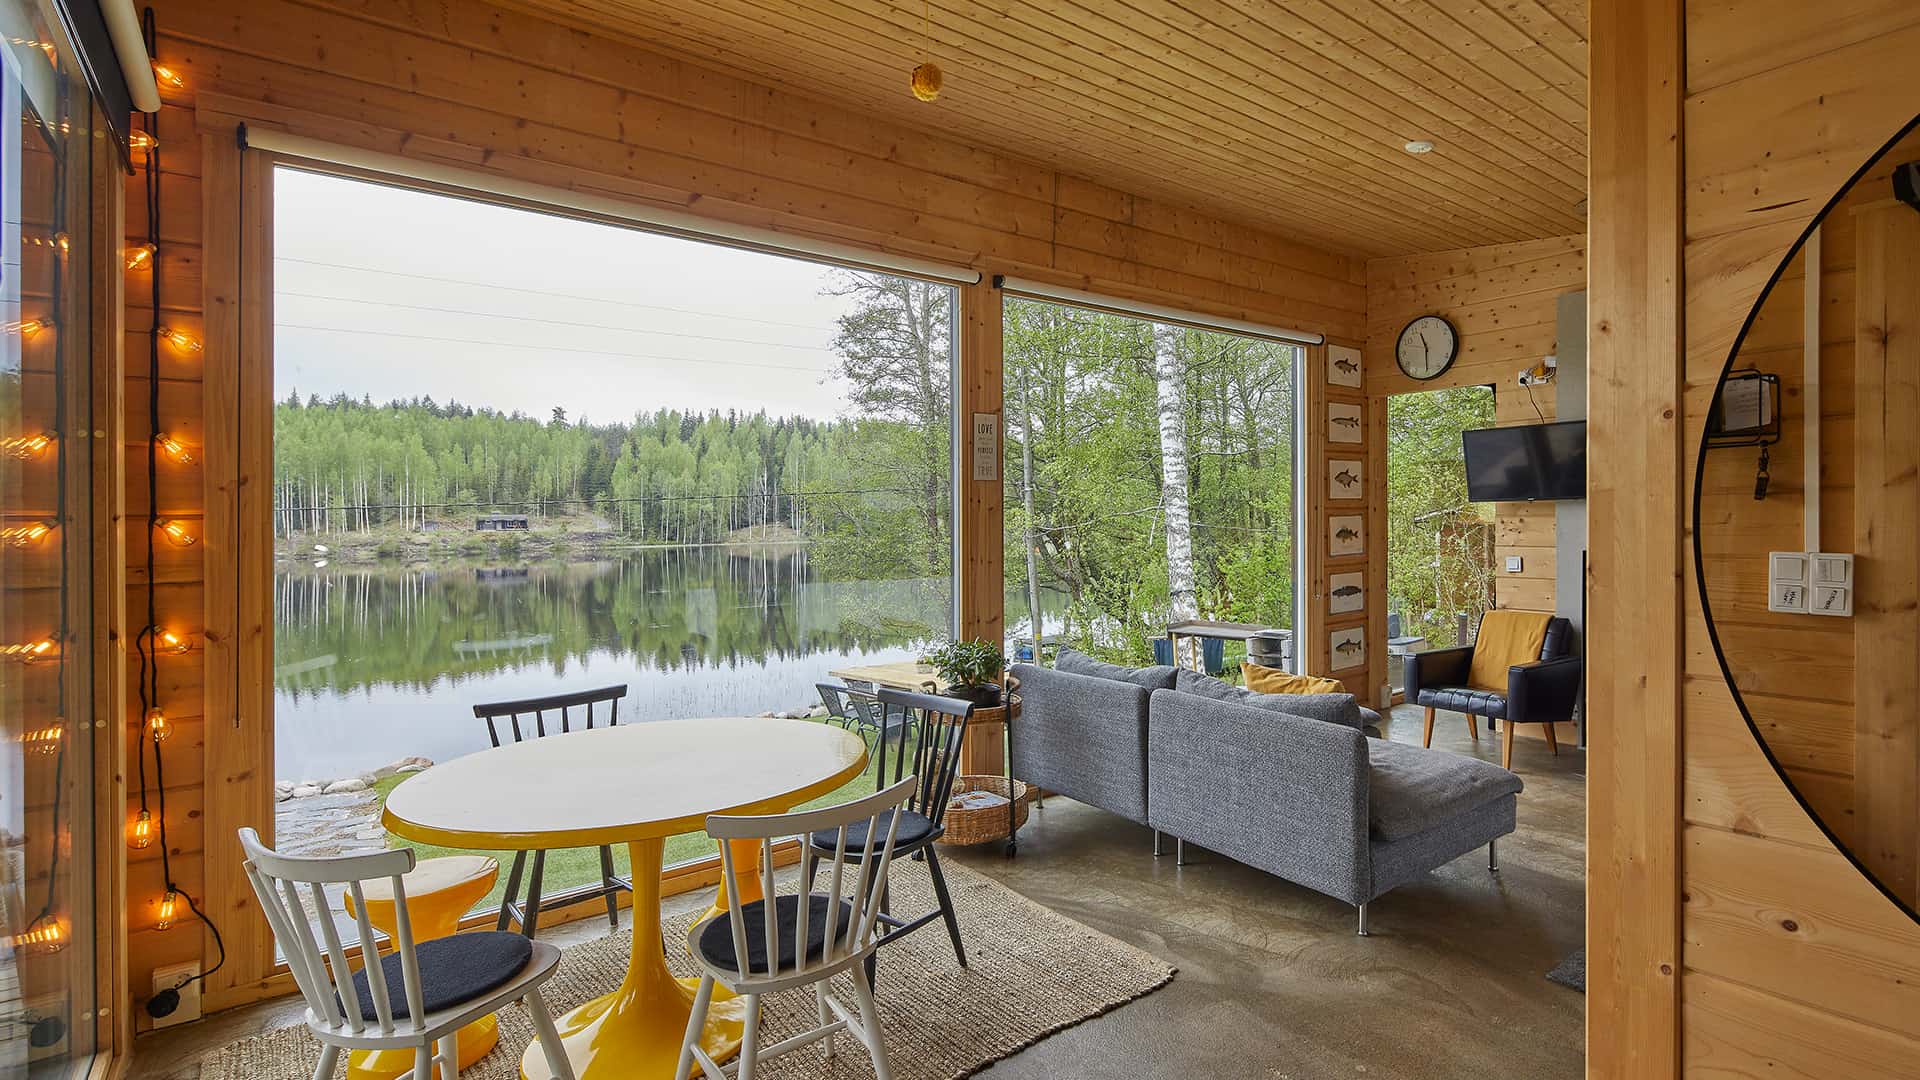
x: 1427, y: 347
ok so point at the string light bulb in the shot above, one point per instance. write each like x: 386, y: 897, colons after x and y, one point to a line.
x: 168, y: 904
x: 45, y: 934
x: 174, y: 447
x: 159, y: 728
x: 59, y: 241
x: 46, y: 741
x: 140, y: 833
x: 26, y: 446
x: 180, y: 339
x: 141, y: 141
x: 165, y: 640
x: 140, y: 256
x: 176, y: 532
x: 168, y: 77
x: 29, y: 327
x: 26, y: 535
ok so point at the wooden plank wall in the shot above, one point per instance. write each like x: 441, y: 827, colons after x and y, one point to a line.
x: 1797, y: 672
x: 1502, y: 299
x: 1790, y: 963
x: 468, y: 84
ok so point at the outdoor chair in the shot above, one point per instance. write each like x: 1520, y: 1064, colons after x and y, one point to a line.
x: 426, y: 992
x: 535, y: 718
x: 800, y: 939
x: 859, y: 709
x: 928, y: 751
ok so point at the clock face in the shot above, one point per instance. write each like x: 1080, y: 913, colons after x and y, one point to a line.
x: 1427, y: 347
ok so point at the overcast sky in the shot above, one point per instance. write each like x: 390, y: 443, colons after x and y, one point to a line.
x: 397, y: 293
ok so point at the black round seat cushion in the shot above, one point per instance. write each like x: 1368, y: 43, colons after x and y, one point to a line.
x: 913, y: 831
x: 716, y: 938
x: 452, y: 970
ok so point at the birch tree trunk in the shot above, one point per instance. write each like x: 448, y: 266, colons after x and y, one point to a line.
x: 1183, y: 601
x: 1034, y: 618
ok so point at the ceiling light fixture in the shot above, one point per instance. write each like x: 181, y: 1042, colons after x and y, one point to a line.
x: 1420, y: 146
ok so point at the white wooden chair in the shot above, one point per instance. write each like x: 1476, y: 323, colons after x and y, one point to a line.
x: 747, y: 951
x: 425, y: 994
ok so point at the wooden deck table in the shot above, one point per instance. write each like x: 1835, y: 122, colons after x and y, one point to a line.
x: 635, y: 784
x: 900, y: 675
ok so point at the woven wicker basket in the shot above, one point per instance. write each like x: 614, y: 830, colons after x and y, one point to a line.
x: 977, y: 826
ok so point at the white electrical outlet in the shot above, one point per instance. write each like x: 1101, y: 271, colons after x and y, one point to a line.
x: 1515, y: 564
x: 170, y: 978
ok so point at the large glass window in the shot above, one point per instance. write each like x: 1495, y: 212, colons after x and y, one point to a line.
x: 1149, y: 479
x: 47, y: 761
x: 518, y: 455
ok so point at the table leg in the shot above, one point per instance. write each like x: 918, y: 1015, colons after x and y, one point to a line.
x: 634, y: 1033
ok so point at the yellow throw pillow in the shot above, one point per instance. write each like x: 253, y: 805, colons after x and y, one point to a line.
x: 1266, y: 680
x: 1507, y: 637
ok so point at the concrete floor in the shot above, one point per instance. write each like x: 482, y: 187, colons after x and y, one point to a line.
x: 1273, y: 982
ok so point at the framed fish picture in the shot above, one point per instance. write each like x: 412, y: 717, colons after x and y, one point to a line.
x: 1346, y: 593
x: 1346, y: 535
x: 1343, y: 366
x: 1348, y: 648
x: 1345, y: 423
x: 1346, y: 479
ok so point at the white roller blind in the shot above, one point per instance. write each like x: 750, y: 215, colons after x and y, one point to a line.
x: 1040, y: 290
x: 680, y: 223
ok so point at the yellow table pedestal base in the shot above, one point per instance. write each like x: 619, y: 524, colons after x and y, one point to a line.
x: 634, y: 1033
x: 474, y: 1041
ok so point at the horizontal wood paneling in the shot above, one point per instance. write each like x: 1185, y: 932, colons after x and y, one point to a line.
x: 1796, y: 965
x: 1503, y: 301
x: 482, y: 87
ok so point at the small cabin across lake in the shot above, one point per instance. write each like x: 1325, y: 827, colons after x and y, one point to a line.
x: 501, y: 523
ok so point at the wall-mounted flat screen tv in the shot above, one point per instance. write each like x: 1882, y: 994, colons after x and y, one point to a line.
x: 1527, y: 463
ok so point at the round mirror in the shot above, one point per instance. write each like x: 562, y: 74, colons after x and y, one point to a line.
x: 1807, y: 519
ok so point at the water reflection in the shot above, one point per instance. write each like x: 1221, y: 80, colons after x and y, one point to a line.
x: 373, y: 664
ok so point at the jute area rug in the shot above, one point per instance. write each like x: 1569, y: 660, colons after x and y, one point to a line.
x: 1032, y: 972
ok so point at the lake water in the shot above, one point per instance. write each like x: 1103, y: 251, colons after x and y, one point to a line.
x: 375, y: 664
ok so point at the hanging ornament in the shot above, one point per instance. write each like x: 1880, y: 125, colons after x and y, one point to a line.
x: 926, y: 78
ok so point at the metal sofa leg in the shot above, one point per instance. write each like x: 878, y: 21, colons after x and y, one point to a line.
x: 1179, y: 852
x: 1362, y: 931
x: 1157, y: 850
x: 1493, y: 856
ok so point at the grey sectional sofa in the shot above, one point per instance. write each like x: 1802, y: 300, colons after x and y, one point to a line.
x: 1314, y: 801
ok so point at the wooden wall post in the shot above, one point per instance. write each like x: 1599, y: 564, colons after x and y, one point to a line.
x: 1634, y: 641
x: 981, y: 590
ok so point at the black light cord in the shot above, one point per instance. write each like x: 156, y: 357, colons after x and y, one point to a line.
x: 57, y: 300
x: 166, y: 1001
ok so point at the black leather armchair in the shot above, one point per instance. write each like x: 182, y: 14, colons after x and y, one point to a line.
x: 1542, y: 692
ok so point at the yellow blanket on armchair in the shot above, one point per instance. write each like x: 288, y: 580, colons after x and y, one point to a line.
x: 1507, y: 637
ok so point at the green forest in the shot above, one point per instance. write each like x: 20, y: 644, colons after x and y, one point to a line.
x: 1149, y: 468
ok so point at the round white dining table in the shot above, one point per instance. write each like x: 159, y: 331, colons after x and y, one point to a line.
x: 635, y: 784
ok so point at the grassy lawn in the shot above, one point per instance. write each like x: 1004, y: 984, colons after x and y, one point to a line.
x: 570, y: 868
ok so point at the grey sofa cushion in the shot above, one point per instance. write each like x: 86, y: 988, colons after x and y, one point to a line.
x: 1083, y: 737
x: 1075, y: 662
x: 1411, y: 789
x: 1342, y: 709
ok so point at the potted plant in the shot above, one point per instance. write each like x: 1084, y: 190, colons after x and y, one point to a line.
x: 971, y: 670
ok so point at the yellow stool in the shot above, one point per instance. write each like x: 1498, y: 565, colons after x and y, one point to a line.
x: 439, y: 891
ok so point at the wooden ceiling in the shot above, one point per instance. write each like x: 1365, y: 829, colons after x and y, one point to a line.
x: 1290, y: 116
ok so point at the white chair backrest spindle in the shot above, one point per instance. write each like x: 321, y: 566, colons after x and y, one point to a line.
x: 319, y: 961
x: 852, y: 913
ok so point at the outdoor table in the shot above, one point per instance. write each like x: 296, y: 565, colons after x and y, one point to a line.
x: 1195, y: 629
x: 635, y: 784
x: 901, y: 675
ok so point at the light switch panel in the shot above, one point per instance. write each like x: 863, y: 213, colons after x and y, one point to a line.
x: 1788, y: 596
x: 1832, y: 569
x: 1515, y: 564
x: 1787, y: 566
x: 1831, y: 600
